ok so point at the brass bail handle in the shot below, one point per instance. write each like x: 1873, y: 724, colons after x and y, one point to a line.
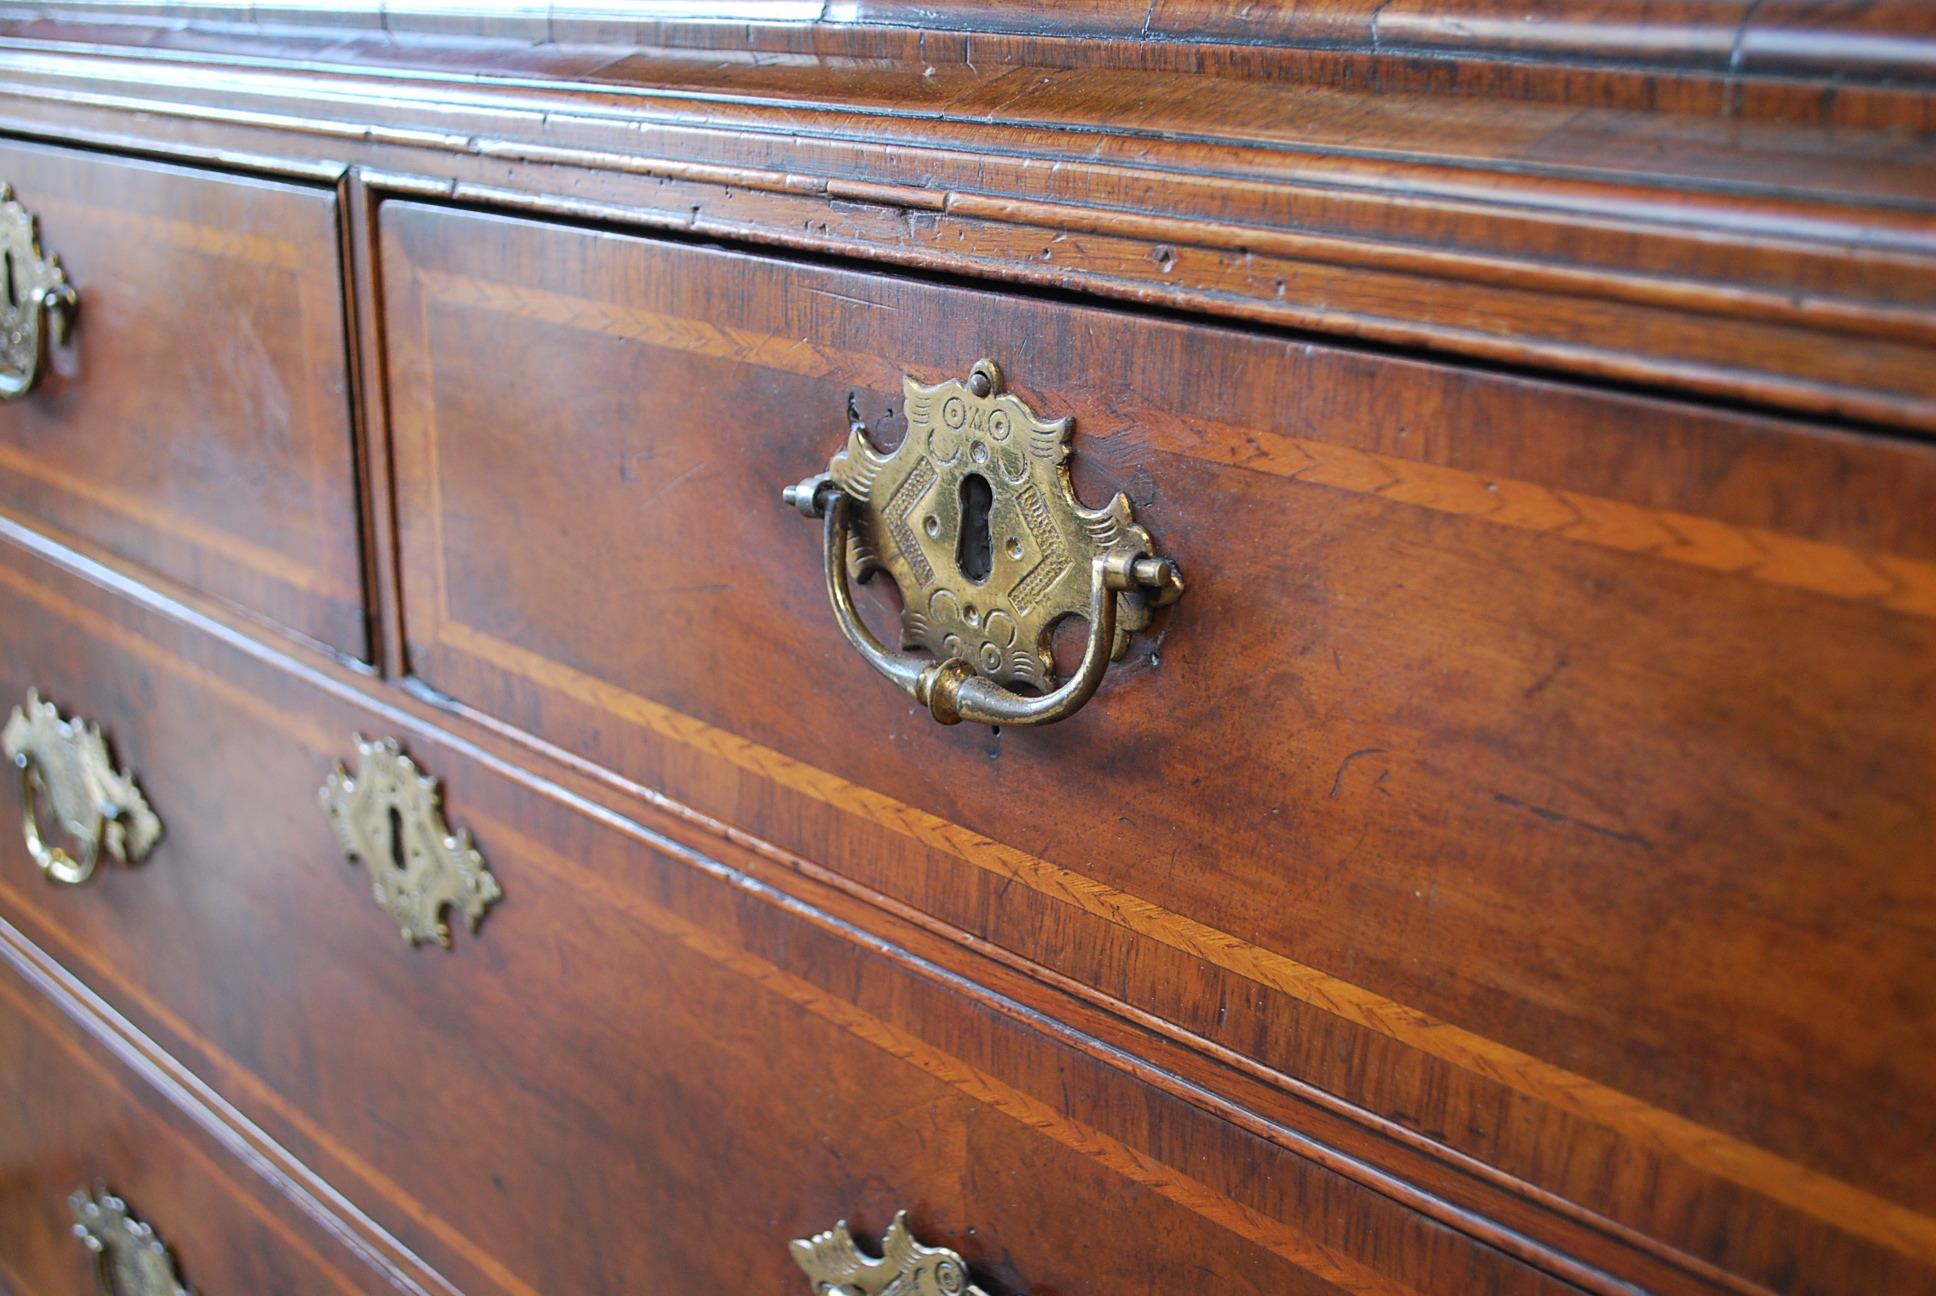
x: 37, y: 300
x: 53, y: 861
x: 64, y: 766
x: 974, y: 517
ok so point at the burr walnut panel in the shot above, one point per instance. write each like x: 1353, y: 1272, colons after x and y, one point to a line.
x: 198, y: 419
x: 1524, y: 759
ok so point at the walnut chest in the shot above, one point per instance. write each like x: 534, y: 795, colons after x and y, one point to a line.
x: 895, y: 650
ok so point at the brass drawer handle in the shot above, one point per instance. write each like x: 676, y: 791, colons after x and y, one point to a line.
x: 836, y: 1267
x: 65, y: 765
x: 974, y: 517
x: 129, y: 1260
x: 37, y: 299
x: 390, y: 816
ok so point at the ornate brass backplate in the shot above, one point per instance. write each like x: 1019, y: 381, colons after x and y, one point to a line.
x: 37, y: 299
x: 129, y: 1260
x: 64, y: 764
x: 388, y: 816
x: 836, y: 1266
x: 975, y: 518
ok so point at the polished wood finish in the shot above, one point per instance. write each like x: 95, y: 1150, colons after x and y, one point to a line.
x: 1759, y: 237
x: 199, y: 419
x: 1468, y: 661
x: 1506, y: 870
x: 703, y: 1056
x: 77, y: 1115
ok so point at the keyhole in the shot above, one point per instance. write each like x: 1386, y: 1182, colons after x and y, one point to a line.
x: 396, y: 841
x: 13, y: 293
x: 975, y: 548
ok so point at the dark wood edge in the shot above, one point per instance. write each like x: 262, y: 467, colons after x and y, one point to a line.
x: 215, y: 1116
x: 370, y: 407
x: 1591, y: 1252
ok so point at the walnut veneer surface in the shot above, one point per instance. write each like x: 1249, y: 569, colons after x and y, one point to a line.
x: 1511, y: 866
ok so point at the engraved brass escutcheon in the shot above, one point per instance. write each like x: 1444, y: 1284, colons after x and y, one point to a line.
x: 976, y: 520
x: 837, y: 1267
x: 129, y: 1260
x: 389, y: 816
x: 38, y: 301
x: 64, y: 765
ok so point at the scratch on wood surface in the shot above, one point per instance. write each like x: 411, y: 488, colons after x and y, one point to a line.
x: 1337, y: 784
x: 1556, y: 817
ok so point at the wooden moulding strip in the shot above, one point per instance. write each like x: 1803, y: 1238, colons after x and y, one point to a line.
x: 1752, y: 307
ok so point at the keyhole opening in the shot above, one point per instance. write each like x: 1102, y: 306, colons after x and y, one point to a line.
x: 975, y: 548
x: 396, y: 841
x: 13, y: 292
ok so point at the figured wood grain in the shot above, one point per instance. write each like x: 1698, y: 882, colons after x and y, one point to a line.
x: 1504, y: 872
x: 708, y: 358
x: 75, y: 1118
x: 1904, y: 584
x: 198, y: 420
x: 1566, y: 1093
x: 708, y: 988
x: 1541, y: 1228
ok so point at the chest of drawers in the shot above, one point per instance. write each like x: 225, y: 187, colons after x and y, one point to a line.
x: 1354, y: 709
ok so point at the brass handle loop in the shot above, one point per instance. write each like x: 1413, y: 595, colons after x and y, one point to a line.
x: 65, y: 767
x: 53, y: 861
x: 974, y: 517
x: 37, y: 301
x: 952, y: 690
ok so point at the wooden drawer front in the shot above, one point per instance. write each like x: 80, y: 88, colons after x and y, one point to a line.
x: 646, y: 1071
x: 72, y: 1117
x: 198, y: 422
x: 1547, y: 769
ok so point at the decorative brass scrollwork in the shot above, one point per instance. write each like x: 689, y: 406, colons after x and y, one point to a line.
x: 37, y: 301
x: 129, y: 1260
x: 64, y: 764
x: 389, y: 817
x: 836, y: 1266
x: 975, y: 518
